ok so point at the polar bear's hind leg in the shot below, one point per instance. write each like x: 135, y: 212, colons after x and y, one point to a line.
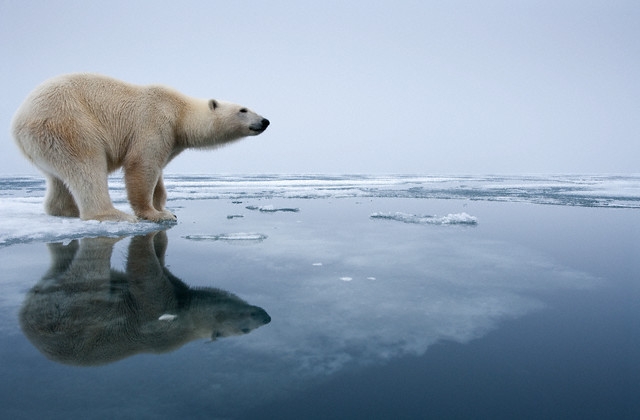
x: 89, y: 186
x: 59, y: 201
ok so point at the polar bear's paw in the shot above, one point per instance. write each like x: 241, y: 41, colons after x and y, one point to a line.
x: 112, y: 216
x: 158, y: 216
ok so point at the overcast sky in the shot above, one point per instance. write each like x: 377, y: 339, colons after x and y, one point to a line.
x: 396, y: 86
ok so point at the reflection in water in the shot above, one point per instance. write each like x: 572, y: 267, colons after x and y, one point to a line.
x: 83, y: 312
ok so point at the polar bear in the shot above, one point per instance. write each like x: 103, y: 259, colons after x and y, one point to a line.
x: 78, y: 128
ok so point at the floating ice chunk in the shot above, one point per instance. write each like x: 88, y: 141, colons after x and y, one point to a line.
x: 23, y: 221
x: 272, y: 209
x: 346, y: 278
x: 318, y: 264
x: 241, y: 236
x: 371, y: 278
x: 167, y: 317
x: 450, y: 219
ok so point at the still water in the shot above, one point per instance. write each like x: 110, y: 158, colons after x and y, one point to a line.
x: 329, y: 298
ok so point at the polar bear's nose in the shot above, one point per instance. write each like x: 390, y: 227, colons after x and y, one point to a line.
x: 259, y: 127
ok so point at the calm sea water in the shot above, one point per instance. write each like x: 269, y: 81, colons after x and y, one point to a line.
x: 328, y: 297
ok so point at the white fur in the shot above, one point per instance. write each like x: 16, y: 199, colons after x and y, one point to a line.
x: 77, y: 128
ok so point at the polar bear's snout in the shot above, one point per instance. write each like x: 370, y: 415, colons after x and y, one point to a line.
x: 260, y: 127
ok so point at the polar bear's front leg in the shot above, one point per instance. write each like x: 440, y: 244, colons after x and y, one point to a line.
x: 142, y: 183
x: 159, y: 195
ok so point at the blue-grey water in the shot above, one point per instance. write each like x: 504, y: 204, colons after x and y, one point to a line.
x: 328, y: 297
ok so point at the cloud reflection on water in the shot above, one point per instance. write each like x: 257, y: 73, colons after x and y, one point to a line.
x: 404, y: 294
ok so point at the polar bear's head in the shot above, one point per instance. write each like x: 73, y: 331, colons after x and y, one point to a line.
x: 236, y: 120
x: 212, y: 123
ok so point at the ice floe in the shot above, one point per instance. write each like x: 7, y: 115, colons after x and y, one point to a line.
x: 272, y: 209
x: 450, y: 219
x: 23, y: 220
x: 570, y: 190
x: 231, y: 237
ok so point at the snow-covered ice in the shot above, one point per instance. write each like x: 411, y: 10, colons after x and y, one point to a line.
x: 240, y: 236
x: 272, y: 209
x: 23, y: 218
x: 450, y: 219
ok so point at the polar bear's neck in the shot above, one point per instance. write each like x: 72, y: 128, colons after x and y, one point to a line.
x: 196, y: 127
x: 200, y: 127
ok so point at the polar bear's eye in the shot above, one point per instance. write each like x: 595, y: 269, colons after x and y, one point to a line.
x: 243, y: 110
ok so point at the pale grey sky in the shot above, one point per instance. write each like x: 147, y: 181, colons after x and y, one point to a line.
x: 360, y: 87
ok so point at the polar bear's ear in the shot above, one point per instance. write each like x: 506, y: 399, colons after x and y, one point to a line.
x: 213, y: 104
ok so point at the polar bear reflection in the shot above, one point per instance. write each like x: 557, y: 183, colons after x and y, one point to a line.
x: 83, y: 312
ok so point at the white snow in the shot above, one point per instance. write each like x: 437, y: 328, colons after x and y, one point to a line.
x: 24, y: 220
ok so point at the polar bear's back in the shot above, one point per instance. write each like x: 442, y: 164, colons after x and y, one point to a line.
x: 73, y: 115
x: 81, y: 114
x: 60, y: 96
